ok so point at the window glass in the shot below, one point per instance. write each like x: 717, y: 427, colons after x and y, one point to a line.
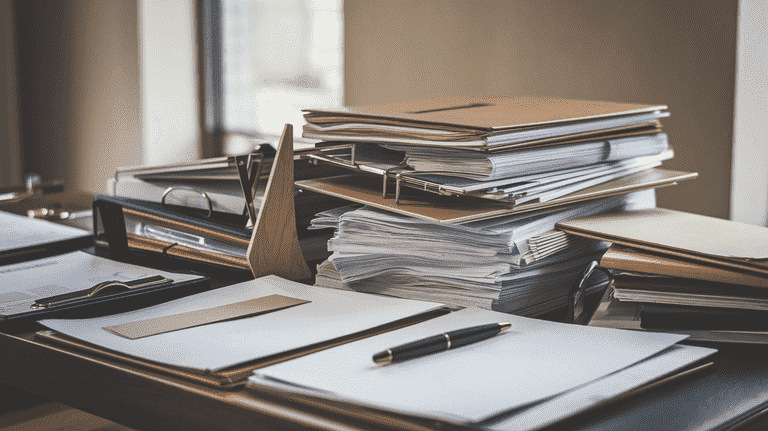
x: 278, y: 57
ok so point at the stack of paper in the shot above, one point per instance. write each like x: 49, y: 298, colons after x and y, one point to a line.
x: 682, y: 272
x: 515, y: 264
x: 480, y: 123
x: 493, y: 166
x: 536, y: 373
x: 512, y: 149
x: 539, y: 160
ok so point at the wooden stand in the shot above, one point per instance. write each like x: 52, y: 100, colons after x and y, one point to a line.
x: 274, y: 247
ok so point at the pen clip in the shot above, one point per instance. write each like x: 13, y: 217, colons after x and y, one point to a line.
x: 105, y: 287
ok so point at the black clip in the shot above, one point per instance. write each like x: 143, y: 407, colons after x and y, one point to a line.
x: 105, y: 287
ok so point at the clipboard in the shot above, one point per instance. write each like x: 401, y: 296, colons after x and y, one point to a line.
x: 80, y: 285
x: 272, y: 245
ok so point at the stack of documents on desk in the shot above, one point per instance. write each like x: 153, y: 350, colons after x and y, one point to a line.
x: 683, y: 273
x: 322, y: 318
x: 534, y: 374
x: 517, y: 150
x: 483, y: 123
x: 515, y: 264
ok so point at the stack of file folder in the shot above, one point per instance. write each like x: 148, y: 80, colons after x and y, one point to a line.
x: 683, y: 273
x: 515, y: 150
x: 479, y: 184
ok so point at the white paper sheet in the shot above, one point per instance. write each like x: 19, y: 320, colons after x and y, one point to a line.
x: 602, y: 390
x: 532, y: 361
x: 329, y: 315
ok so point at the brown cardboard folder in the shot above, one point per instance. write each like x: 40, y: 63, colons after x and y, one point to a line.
x: 467, y: 121
x: 681, y: 235
x: 630, y: 259
x: 451, y: 209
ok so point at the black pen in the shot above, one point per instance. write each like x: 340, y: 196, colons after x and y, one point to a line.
x: 438, y: 343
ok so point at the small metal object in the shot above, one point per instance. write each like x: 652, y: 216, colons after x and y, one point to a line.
x: 576, y: 310
x: 189, y: 189
x: 155, y: 280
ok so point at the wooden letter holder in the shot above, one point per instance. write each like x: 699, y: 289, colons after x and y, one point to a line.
x: 274, y: 247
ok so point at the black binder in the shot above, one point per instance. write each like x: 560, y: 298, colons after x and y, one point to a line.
x: 117, y: 231
x: 24, y: 238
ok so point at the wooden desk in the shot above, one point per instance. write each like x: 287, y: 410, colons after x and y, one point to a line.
x: 733, y: 394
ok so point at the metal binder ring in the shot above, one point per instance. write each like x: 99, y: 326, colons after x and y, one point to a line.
x: 190, y: 189
x: 165, y: 249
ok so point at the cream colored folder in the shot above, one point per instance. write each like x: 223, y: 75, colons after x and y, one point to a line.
x: 480, y: 122
x: 673, y: 233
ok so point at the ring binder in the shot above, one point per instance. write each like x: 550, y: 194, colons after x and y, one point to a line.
x: 220, y: 240
x: 203, y: 194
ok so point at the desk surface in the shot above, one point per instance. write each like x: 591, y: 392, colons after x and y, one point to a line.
x: 734, y: 393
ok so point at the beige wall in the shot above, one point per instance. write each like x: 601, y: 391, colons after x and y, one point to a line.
x: 80, y: 90
x: 679, y: 53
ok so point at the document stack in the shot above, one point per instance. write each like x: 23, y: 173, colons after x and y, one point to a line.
x: 515, y: 150
x: 507, y: 170
x: 513, y: 264
x: 682, y: 273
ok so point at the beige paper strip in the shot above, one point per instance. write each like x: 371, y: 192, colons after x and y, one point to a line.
x: 159, y: 325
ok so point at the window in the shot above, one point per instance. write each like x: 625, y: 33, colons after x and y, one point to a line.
x: 277, y: 57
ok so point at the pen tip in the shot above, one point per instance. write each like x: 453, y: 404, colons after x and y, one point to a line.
x: 504, y: 326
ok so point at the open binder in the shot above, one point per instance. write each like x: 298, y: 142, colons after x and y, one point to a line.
x: 366, y: 190
x: 213, y: 237
x: 230, y: 185
x: 543, y: 173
